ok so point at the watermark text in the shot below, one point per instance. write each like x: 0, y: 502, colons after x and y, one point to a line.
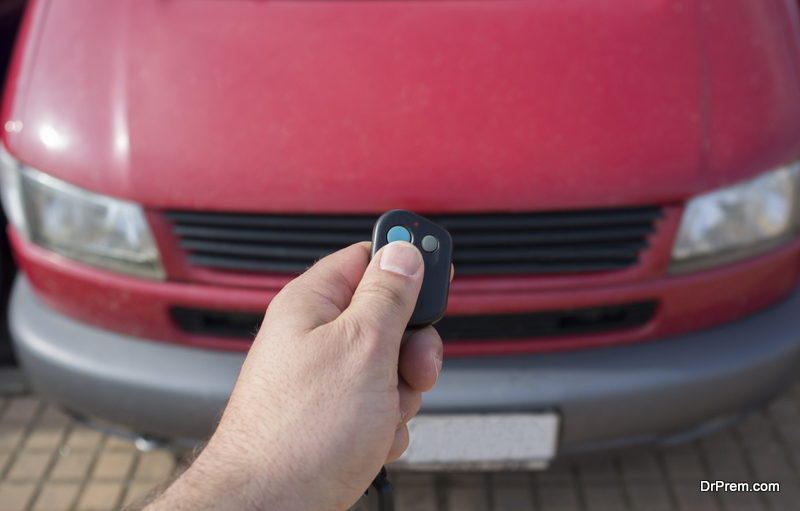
x: 726, y: 486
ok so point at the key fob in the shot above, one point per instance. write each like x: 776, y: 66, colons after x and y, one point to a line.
x: 436, y: 246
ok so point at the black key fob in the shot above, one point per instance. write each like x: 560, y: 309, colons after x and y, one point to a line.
x: 436, y: 246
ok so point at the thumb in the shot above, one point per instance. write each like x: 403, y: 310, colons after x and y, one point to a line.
x: 385, y: 298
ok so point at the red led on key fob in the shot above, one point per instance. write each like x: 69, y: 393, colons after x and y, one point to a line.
x: 436, y: 246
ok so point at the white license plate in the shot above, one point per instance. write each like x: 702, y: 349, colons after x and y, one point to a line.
x: 481, y: 441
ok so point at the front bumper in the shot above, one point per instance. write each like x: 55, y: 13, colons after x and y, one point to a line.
x: 608, y: 397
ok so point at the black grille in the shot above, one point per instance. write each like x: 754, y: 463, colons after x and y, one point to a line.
x: 455, y: 328
x: 546, y: 324
x: 218, y: 323
x: 555, y: 242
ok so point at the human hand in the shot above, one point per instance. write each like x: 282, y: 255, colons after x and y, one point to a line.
x: 325, y: 393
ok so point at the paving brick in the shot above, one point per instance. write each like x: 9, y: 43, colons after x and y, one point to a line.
x: 789, y: 432
x: 512, y: 498
x: 52, y: 416
x: 603, y: 497
x: 787, y: 498
x: 82, y: 438
x: 115, y: 443
x: 21, y: 410
x: 769, y: 461
x: 467, y: 498
x: 648, y: 496
x: 100, y: 496
x: 560, y: 497
x: 598, y: 470
x: 15, y: 496
x: 690, y: 498
x: 741, y: 501
x: 642, y: 466
x: 770, y: 464
x: 465, y: 479
x: 721, y: 443
x: 5, y: 459
x: 755, y: 432
x: 57, y: 497
x: 510, y: 479
x: 558, y: 474
x: 793, y: 455
x: 793, y: 395
x: 794, y: 392
x: 725, y: 457
x: 138, y: 490
x: 413, y: 478
x: 415, y: 497
x: 29, y: 466
x: 785, y: 410
x: 113, y: 465
x: 11, y: 436
x: 72, y: 467
x: 46, y: 437
x: 683, y: 463
x: 785, y: 419
x: 727, y: 468
x: 156, y: 465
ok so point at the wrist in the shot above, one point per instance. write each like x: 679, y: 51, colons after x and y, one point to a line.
x: 217, y: 480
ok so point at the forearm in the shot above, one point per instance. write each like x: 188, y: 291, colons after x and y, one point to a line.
x: 219, y: 477
x: 142, y: 502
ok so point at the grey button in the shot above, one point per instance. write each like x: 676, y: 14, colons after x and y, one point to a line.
x: 429, y: 243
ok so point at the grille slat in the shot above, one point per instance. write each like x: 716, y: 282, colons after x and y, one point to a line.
x: 491, y: 244
x: 245, y: 250
x: 268, y: 235
x: 531, y: 325
x: 552, y: 220
x: 240, y: 263
x: 548, y: 254
x: 546, y: 324
x: 576, y: 236
x: 519, y: 268
x: 302, y: 222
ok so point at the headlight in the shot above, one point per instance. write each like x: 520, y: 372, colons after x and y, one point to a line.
x: 739, y: 221
x: 85, y: 226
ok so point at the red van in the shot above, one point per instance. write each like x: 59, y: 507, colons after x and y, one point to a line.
x: 620, y: 178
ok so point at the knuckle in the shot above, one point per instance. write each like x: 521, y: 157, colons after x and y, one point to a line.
x: 400, y: 443
x: 411, y: 407
x: 350, y: 329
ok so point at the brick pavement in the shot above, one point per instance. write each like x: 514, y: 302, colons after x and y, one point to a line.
x: 49, y: 462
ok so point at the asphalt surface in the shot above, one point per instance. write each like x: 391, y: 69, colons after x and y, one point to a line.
x: 48, y: 461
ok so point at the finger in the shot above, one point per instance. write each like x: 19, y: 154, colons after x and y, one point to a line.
x: 421, y: 359
x: 399, y: 445
x: 319, y: 295
x: 385, y: 298
x: 410, y: 401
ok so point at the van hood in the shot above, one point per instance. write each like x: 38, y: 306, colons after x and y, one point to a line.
x: 437, y: 106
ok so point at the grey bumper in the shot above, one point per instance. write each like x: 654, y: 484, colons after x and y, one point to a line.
x: 645, y: 392
x: 154, y: 388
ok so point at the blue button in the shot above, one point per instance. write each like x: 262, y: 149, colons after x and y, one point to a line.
x: 398, y: 233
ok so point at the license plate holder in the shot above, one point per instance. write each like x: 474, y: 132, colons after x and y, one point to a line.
x: 481, y: 441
